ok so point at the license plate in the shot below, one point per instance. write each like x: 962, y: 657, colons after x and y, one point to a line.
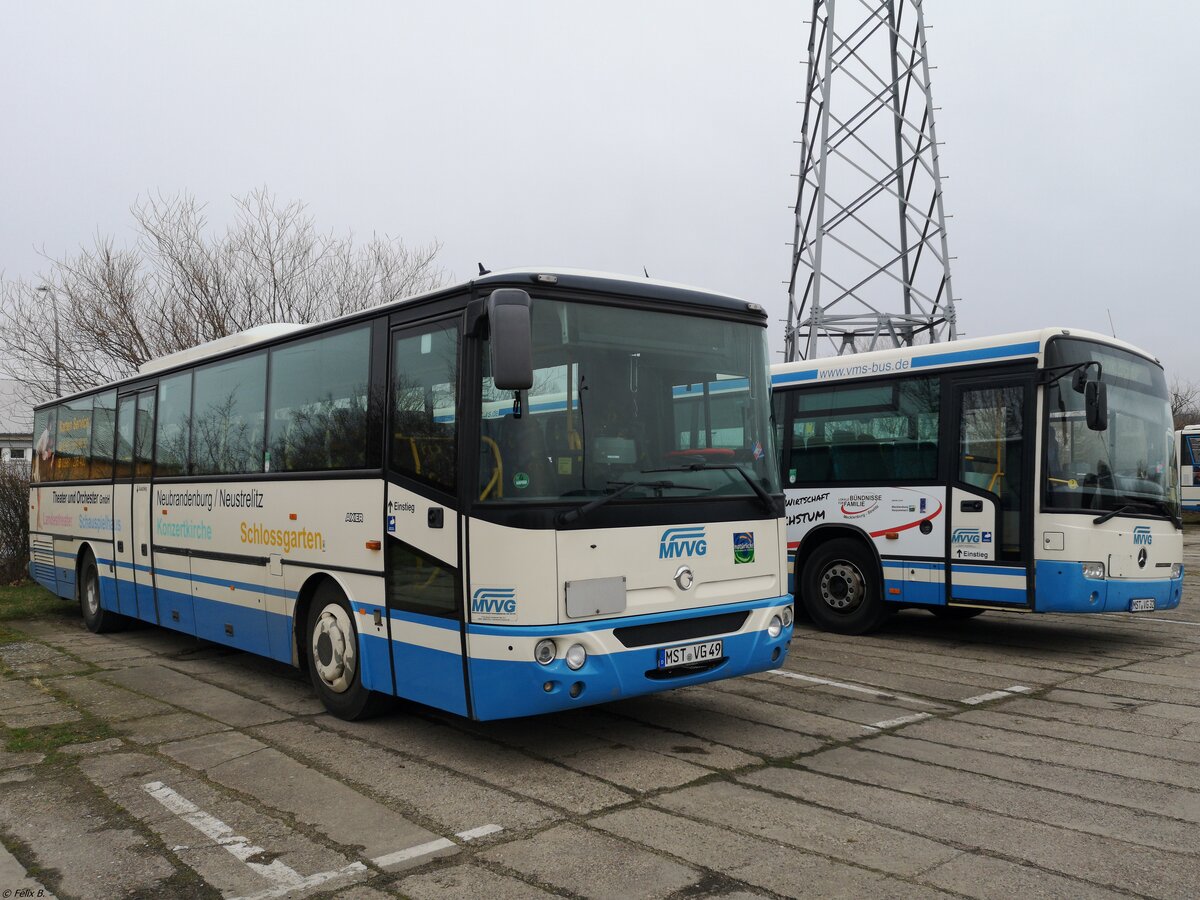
x: 669, y: 657
x: 1141, y: 604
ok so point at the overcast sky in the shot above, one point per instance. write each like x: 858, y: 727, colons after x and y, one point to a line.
x: 618, y: 135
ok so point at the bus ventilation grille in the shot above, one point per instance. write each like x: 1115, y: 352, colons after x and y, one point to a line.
x: 42, y: 554
x: 680, y: 629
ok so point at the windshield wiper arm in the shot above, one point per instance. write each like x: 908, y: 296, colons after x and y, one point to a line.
x: 1119, y: 511
x: 758, y: 489
x: 1132, y: 506
x: 573, y: 515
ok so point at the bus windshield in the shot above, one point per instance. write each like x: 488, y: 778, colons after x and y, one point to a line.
x: 653, y: 404
x: 1130, y: 464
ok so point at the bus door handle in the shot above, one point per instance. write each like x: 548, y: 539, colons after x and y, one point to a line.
x: 436, y: 517
x: 120, y: 546
x: 971, y: 506
x: 144, y: 550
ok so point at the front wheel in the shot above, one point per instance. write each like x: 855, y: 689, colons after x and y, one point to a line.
x: 97, y: 619
x: 333, y: 658
x: 841, y: 588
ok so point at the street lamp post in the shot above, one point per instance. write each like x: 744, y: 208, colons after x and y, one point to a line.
x: 47, y: 289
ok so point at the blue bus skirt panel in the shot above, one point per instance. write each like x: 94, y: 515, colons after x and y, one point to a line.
x: 1061, y: 587
x: 504, y: 688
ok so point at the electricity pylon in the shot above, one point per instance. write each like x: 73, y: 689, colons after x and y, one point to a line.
x: 870, y: 266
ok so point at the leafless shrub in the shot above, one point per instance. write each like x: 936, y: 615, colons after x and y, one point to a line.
x: 14, y: 521
x: 180, y: 285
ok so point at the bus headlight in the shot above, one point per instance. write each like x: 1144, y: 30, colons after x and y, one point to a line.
x: 775, y: 626
x: 787, y: 616
x: 1093, y: 570
x: 576, y: 656
x: 1176, y: 570
x: 545, y: 651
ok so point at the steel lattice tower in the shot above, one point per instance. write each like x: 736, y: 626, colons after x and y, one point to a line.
x: 870, y: 267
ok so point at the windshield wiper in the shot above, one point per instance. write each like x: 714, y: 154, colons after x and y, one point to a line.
x: 758, y: 489
x: 573, y: 515
x: 1135, y: 505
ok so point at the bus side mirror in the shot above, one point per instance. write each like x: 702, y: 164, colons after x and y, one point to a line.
x: 511, y: 341
x: 1095, y: 404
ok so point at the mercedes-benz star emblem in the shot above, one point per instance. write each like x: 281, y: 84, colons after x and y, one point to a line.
x: 1142, y: 558
x: 684, y: 578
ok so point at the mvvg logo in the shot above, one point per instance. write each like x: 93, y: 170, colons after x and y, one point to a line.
x: 1142, y: 535
x: 494, y: 601
x: 677, y: 542
x: 970, y: 536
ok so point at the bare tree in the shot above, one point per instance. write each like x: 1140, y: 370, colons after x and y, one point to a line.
x: 101, y: 313
x: 1185, y: 402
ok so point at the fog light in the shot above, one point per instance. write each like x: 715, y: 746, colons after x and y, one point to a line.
x: 576, y: 656
x: 545, y: 651
x: 576, y: 689
x: 775, y: 626
x: 787, y: 616
x: 1176, y: 570
x: 1093, y: 570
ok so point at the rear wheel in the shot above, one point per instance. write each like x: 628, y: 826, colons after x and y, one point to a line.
x: 95, y: 617
x: 334, y: 664
x: 840, y: 588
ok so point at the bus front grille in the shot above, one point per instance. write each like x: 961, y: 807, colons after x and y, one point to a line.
x: 680, y: 630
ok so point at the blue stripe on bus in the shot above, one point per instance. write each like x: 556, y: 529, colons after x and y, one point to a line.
x: 989, y: 594
x: 915, y: 564
x: 623, y: 622
x: 989, y: 570
x: 419, y: 619
x: 1028, y: 348
x: 791, y: 377
x: 205, y: 579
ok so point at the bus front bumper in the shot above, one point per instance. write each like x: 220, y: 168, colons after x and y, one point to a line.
x: 1061, y: 587
x: 506, y: 687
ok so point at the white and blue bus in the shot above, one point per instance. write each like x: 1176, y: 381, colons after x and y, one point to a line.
x: 1029, y: 472
x: 1188, y: 443
x: 526, y: 493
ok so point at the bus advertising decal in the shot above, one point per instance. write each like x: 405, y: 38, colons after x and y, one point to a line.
x: 494, y: 605
x: 743, y: 547
x: 857, y: 505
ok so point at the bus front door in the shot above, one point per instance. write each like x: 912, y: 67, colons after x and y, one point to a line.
x: 131, y: 506
x: 988, y: 543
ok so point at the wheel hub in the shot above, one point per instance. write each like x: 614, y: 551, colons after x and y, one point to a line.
x: 91, y: 595
x: 842, y: 587
x: 334, y: 655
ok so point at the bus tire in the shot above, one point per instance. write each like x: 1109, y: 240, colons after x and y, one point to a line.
x: 97, y: 619
x: 956, y: 612
x: 841, y: 588
x: 334, y: 666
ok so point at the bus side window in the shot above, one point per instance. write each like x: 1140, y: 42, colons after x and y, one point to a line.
x: 424, y: 437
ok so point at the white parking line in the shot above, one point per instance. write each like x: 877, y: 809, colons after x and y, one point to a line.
x: 283, y: 877
x: 902, y: 720
x: 390, y: 859
x: 861, y: 689
x: 1138, y: 616
x: 997, y: 695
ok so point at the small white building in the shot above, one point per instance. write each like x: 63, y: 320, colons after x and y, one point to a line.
x: 16, y: 425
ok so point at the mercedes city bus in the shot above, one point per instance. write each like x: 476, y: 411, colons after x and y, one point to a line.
x: 537, y: 490
x: 1031, y: 472
x: 1187, y: 443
